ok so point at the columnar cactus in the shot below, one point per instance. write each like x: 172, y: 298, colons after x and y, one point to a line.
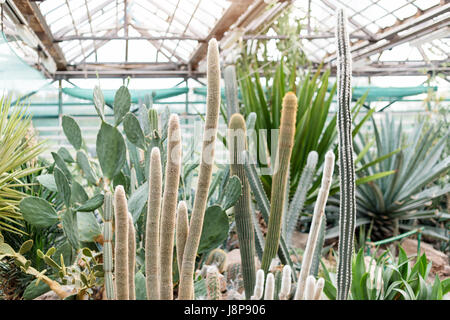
x: 319, y: 211
x: 297, y: 203
x: 231, y: 90
x: 270, y: 287
x: 259, y: 286
x: 121, y: 244
x: 169, y: 205
x: 213, y: 283
x: 186, y: 288
x: 152, y: 270
x: 347, y: 208
x: 279, y: 181
x: 182, y: 230
x: 242, y: 211
x: 108, y: 213
x: 131, y: 258
x: 285, y: 283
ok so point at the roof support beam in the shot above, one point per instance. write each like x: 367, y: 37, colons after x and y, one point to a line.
x: 37, y: 23
x: 234, y: 11
x: 391, y: 34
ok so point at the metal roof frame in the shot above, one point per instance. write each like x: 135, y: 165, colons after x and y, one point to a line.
x: 180, y: 35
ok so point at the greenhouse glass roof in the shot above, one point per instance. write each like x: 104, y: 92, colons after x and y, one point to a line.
x: 153, y: 38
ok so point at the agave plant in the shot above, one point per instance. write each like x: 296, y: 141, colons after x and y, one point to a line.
x: 388, y: 278
x: 391, y: 201
x: 17, y: 148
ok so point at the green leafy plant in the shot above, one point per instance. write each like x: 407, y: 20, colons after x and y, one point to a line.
x: 388, y: 278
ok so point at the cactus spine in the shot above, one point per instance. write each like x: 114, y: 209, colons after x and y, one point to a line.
x: 213, y: 283
x: 259, y: 285
x: 347, y: 208
x: 107, y: 246
x: 186, y: 289
x: 169, y: 205
x: 270, y: 287
x: 285, y: 283
x: 182, y: 230
x: 242, y: 211
x: 285, y: 144
x: 121, y: 245
x: 319, y: 211
x: 152, y: 257
x: 131, y: 258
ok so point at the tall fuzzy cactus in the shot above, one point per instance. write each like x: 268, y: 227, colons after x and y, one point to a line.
x: 319, y: 211
x: 152, y: 257
x: 242, y: 210
x: 121, y: 244
x: 259, y: 286
x: 279, y: 180
x: 347, y: 208
x: 108, y: 213
x: 131, y: 258
x: 169, y: 205
x: 186, y: 288
x: 182, y: 230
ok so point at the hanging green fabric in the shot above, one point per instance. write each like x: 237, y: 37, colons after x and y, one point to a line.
x: 136, y: 95
x: 388, y: 93
x: 375, y: 93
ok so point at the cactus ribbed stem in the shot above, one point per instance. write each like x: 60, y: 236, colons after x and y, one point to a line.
x: 285, y: 283
x: 297, y: 203
x: 131, y: 258
x: 152, y: 248
x: 242, y: 211
x: 231, y: 90
x: 212, y: 283
x: 182, y: 230
x: 347, y: 207
x: 169, y: 205
x: 319, y: 211
x: 186, y: 288
x: 259, y: 286
x: 318, y: 289
x: 121, y: 245
x: 108, y: 213
x: 310, y: 287
x: 279, y: 181
x: 270, y: 287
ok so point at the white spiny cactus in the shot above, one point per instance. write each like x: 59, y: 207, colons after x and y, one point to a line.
x: 259, y: 286
x: 285, y: 283
x: 270, y: 287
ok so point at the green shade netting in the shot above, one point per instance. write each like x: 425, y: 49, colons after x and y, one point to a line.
x: 17, y: 78
x: 374, y: 93
x: 136, y: 95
